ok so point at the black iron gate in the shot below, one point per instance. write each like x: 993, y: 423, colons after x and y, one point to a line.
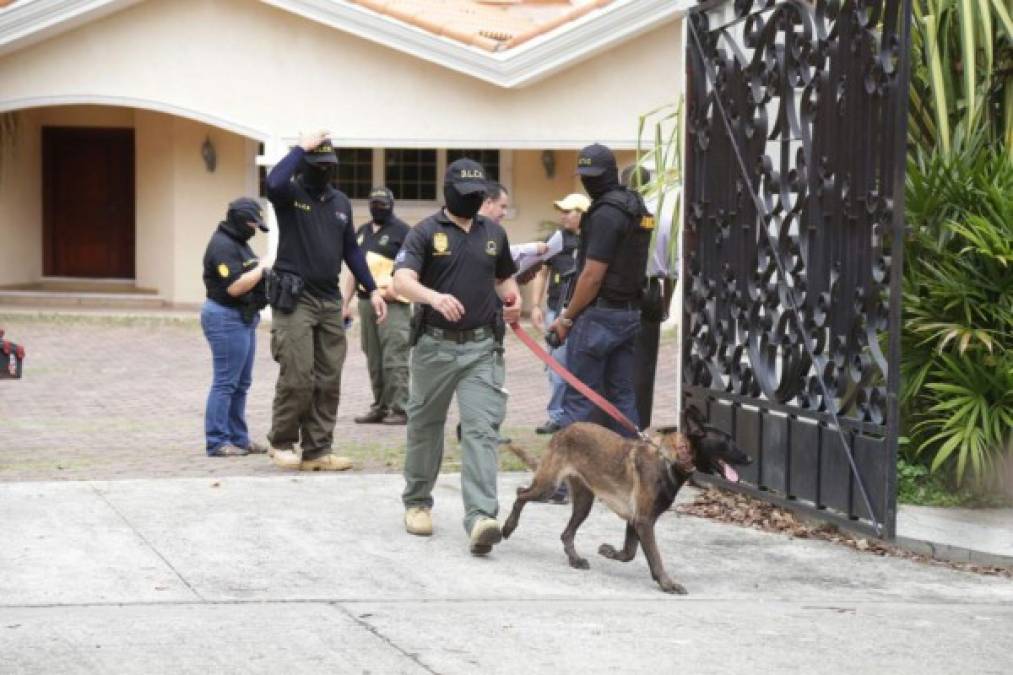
x: 794, y: 184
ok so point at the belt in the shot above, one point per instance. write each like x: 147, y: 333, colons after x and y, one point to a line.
x: 612, y: 304
x: 460, y: 336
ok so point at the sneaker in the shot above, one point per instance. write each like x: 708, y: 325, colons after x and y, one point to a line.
x: 484, y: 534
x: 228, y: 450
x: 286, y: 459
x: 328, y: 462
x: 549, y: 427
x: 396, y: 419
x: 374, y: 416
x: 418, y: 520
x: 255, y: 448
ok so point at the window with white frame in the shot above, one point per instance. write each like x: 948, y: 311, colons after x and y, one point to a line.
x: 410, y: 173
x: 414, y: 175
x: 489, y: 159
x: 355, y: 172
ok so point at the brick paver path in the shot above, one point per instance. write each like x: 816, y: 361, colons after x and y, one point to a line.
x: 107, y: 397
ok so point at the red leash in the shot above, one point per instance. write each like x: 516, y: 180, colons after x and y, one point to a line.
x: 588, y: 393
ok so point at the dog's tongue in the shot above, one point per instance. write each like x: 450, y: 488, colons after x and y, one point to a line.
x: 731, y: 475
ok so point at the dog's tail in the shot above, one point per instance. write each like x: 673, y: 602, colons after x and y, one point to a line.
x: 523, y: 455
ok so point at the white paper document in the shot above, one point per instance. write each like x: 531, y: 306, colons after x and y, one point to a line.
x: 526, y: 255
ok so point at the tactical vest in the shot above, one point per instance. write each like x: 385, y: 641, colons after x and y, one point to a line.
x: 624, y: 280
x: 561, y: 268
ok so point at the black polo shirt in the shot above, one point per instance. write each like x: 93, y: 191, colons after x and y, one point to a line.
x: 225, y: 260
x: 386, y: 241
x: 466, y: 265
x: 311, y: 235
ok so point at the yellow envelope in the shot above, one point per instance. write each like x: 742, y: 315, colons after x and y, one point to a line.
x: 382, y: 269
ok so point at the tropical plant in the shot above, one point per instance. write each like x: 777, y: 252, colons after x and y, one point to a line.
x: 659, y: 152
x: 957, y: 364
x: 962, y: 72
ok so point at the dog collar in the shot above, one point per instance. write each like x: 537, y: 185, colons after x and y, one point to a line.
x: 672, y: 476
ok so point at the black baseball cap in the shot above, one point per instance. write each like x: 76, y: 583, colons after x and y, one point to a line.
x: 594, y: 160
x: 381, y: 195
x: 249, y: 210
x: 467, y: 176
x: 322, y: 154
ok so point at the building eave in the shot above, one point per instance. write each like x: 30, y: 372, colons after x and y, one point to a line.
x: 556, y: 50
x: 23, y: 24
x: 594, y: 33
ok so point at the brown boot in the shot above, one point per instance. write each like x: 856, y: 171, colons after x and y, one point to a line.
x: 418, y: 520
x: 328, y: 462
x: 374, y: 416
x: 396, y: 419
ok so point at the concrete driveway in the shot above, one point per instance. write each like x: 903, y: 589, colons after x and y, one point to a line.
x: 308, y: 573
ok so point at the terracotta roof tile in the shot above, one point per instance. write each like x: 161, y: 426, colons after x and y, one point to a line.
x: 492, y: 25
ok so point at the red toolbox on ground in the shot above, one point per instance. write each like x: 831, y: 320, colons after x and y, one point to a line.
x: 12, y: 357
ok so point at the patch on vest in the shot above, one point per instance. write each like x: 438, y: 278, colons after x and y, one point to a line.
x: 384, y: 239
x: 362, y: 238
x: 441, y: 244
x: 223, y: 271
x: 647, y: 222
x: 490, y: 247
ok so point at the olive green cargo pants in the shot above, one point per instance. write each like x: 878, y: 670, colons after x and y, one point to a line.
x: 309, y: 346
x: 475, y: 372
x: 386, y: 349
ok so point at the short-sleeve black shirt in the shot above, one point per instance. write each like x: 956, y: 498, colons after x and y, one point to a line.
x: 386, y: 241
x: 466, y: 265
x: 225, y: 260
x: 619, y: 237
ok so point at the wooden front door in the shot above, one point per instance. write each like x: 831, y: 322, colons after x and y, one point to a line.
x: 88, y: 202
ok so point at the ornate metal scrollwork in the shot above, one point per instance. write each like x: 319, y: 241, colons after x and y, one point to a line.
x: 791, y: 280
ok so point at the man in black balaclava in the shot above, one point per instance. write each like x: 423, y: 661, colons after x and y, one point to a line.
x: 602, y: 314
x: 385, y: 344
x: 316, y: 234
x: 457, y: 266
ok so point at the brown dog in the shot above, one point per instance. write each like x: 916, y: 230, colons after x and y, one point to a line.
x: 637, y: 480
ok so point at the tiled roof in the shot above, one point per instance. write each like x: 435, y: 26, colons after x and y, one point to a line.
x: 492, y: 25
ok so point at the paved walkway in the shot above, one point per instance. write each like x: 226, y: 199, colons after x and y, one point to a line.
x: 115, y: 396
x: 315, y: 574
x: 118, y: 396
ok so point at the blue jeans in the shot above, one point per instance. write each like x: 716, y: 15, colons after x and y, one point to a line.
x: 555, y: 407
x: 233, y: 347
x: 601, y: 351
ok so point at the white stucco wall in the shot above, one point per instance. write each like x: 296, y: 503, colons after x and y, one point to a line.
x: 178, y: 202
x: 267, y: 73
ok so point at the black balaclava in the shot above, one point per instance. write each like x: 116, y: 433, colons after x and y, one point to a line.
x: 381, y: 212
x: 462, y: 206
x: 235, y: 225
x: 316, y: 177
x: 596, y: 186
x: 240, y: 214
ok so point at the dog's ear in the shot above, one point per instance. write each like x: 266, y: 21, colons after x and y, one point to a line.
x: 695, y: 423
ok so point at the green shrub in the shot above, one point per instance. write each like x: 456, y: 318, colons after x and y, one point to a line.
x: 957, y: 363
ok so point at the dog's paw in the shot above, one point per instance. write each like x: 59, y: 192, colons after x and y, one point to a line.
x: 579, y: 564
x: 608, y: 551
x: 670, y: 586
